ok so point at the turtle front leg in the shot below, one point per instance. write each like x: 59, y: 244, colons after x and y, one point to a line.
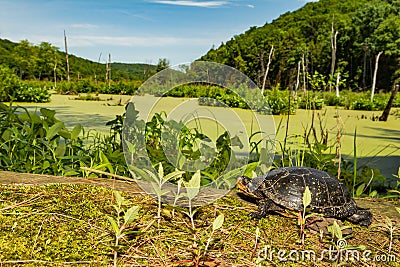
x: 265, y: 206
x: 362, y: 217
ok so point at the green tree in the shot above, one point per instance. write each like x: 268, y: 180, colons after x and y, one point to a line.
x: 9, y: 83
x: 48, y: 58
x: 163, y: 63
x: 25, y: 59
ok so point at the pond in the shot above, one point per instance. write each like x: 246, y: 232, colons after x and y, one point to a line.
x: 377, y: 142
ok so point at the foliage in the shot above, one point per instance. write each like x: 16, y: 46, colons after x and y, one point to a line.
x: 37, y: 142
x: 364, y: 28
x: 45, y: 61
x: 280, y: 102
x: 9, y: 83
x: 88, y: 86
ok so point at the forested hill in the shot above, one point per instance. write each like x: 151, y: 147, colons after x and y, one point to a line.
x: 364, y: 28
x: 37, y: 62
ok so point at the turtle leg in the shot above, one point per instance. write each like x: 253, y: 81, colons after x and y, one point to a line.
x: 362, y: 217
x: 264, y: 207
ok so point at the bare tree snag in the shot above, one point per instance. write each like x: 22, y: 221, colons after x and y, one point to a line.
x: 337, y: 84
x: 334, y: 48
x: 108, y: 70
x: 298, y: 77
x: 66, y: 56
x: 304, y: 74
x: 55, y: 71
x: 375, y: 74
x: 386, y: 111
x: 267, y: 70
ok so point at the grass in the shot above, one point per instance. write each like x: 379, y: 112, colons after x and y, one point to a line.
x: 58, y: 225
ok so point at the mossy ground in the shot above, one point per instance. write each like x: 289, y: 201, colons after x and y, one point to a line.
x: 62, y: 225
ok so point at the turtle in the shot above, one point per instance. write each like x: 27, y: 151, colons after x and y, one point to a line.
x: 283, y: 188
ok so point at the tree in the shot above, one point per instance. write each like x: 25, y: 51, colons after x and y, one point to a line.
x: 9, y: 83
x: 163, y: 63
x: 267, y: 70
x: 25, y: 59
x: 66, y: 57
x: 47, y: 59
x: 386, y: 111
x: 375, y: 73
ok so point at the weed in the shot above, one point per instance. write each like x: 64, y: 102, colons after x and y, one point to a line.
x: 388, y: 228
x: 192, y: 190
x: 119, y: 224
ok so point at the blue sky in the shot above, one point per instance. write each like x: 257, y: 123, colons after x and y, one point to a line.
x: 136, y: 30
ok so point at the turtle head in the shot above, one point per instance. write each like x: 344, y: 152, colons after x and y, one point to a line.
x: 247, y: 187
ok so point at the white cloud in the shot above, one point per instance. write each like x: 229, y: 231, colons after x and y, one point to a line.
x: 192, y: 3
x: 250, y: 6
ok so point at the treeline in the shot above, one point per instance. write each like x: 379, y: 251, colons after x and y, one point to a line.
x: 325, y: 38
x: 45, y: 62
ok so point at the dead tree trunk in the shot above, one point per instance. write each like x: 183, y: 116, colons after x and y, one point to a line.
x: 108, y: 70
x: 267, y: 70
x: 375, y: 74
x: 66, y: 56
x: 304, y: 74
x: 337, y: 84
x: 298, y: 77
x: 55, y: 72
x: 334, y: 48
x: 386, y: 111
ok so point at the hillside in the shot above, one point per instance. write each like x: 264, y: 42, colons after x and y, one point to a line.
x: 364, y: 28
x: 37, y: 62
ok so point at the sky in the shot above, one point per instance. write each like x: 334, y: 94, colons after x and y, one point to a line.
x: 136, y: 31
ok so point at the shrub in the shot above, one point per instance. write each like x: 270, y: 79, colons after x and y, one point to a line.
x: 310, y: 100
x: 9, y: 83
x: 278, y: 101
x: 27, y: 93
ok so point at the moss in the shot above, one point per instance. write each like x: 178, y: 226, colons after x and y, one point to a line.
x: 59, y: 224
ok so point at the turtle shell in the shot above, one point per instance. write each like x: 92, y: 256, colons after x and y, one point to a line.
x: 285, y: 187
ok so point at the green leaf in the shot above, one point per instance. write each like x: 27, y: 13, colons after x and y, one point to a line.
x: 131, y: 147
x: 172, y: 175
x: 193, y: 186
x: 30, y: 117
x: 118, y: 198
x: 105, y: 160
x: 306, y: 197
x: 335, y: 230
x: 398, y: 209
x: 360, y: 190
x: 160, y: 170
x: 60, y: 150
x: 76, y: 131
x: 389, y: 222
x: 46, y: 164
x: 48, y: 113
x: 218, y: 222
x: 70, y: 173
x: 114, y: 224
x: 373, y: 193
x: 131, y: 214
x: 64, y: 133
x: 54, y: 129
x: 157, y: 190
